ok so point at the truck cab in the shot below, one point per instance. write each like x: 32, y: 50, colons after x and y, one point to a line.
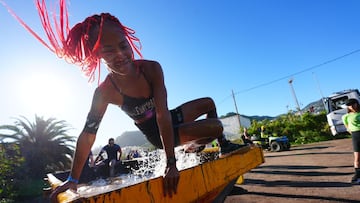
x: 336, y: 108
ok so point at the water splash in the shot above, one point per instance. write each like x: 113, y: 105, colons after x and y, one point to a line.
x: 150, y: 165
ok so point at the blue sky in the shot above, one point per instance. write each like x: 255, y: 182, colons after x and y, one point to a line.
x: 206, y: 48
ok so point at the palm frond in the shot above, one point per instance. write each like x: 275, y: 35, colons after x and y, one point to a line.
x: 44, y: 143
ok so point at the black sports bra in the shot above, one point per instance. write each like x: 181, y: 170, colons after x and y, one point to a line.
x: 139, y: 109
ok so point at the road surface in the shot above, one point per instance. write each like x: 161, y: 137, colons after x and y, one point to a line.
x: 318, y: 172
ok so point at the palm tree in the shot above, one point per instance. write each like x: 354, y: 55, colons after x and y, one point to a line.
x: 44, y: 144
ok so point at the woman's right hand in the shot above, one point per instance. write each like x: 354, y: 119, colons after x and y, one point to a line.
x: 62, y: 188
x: 171, y: 180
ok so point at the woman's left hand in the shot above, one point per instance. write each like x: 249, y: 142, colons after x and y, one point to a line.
x: 62, y: 188
x: 171, y: 180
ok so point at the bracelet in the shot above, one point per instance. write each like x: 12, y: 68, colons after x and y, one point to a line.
x: 71, y: 179
x: 171, y: 161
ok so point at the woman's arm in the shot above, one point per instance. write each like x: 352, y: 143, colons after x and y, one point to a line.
x: 345, y: 121
x: 84, y: 143
x: 171, y: 177
x: 88, y: 134
x: 162, y: 112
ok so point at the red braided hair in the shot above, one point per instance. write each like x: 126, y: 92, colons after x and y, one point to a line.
x: 80, y: 44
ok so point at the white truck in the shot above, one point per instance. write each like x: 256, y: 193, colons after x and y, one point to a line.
x: 335, y: 108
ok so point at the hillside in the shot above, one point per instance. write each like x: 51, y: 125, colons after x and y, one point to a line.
x: 259, y: 118
x: 317, y: 105
x: 132, y: 138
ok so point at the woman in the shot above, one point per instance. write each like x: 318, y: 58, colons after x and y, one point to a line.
x: 351, y: 121
x: 136, y: 86
x: 246, y: 137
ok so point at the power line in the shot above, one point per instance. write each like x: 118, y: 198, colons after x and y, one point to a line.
x: 296, y: 73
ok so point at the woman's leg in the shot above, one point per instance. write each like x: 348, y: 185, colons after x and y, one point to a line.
x: 356, y: 147
x: 356, y: 177
x: 200, y: 132
x: 356, y: 159
x: 192, y: 110
x: 203, y: 131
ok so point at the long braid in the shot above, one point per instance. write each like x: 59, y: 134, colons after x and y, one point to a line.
x: 80, y: 44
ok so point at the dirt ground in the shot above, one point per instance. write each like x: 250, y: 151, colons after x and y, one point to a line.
x: 318, y: 172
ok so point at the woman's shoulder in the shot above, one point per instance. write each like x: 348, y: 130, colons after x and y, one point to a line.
x: 104, y: 89
x: 147, y: 63
x: 104, y: 85
x: 149, y: 67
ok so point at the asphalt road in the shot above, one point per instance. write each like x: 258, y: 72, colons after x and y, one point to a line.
x: 318, y: 172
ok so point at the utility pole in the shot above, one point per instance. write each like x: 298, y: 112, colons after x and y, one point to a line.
x: 294, y: 95
x: 318, y: 86
x: 238, y: 115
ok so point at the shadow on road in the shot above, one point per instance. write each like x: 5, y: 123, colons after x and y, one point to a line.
x: 295, y: 170
x: 292, y: 167
x: 301, y: 167
x: 309, y: 148
x: 304, y: 173
x: 286, y: 183
x: 305, y: 197
x: 273, y: 155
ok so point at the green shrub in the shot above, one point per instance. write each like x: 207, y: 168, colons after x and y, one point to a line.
x: 10, y: 166
x: 300, y: 129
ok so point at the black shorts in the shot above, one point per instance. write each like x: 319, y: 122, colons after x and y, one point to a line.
x: 356, y: 140
x: 151, y: 130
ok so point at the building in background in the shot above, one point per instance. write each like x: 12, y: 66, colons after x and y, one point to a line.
x: 232, y: 126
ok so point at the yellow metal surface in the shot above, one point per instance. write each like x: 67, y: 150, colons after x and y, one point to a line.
x: 240, y: 180
x: 201, y: 183
x: 211, y: 149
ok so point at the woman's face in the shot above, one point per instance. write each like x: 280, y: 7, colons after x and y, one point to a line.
x: 115, y: 49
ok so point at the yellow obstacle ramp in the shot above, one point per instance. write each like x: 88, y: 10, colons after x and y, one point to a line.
x: 202, y: 183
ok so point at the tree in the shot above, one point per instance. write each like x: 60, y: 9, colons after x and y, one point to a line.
x: 300, y: 129
x: 10, y: 163
x: 44, y: 144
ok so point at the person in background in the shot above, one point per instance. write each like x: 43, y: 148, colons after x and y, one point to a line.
x: 113, y: 152
x: 135, y: 85
x: 351, y: 121
x: 262, y: 132
x: 133, y: 154
x: 246, y: 137
x: 136, y: 154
